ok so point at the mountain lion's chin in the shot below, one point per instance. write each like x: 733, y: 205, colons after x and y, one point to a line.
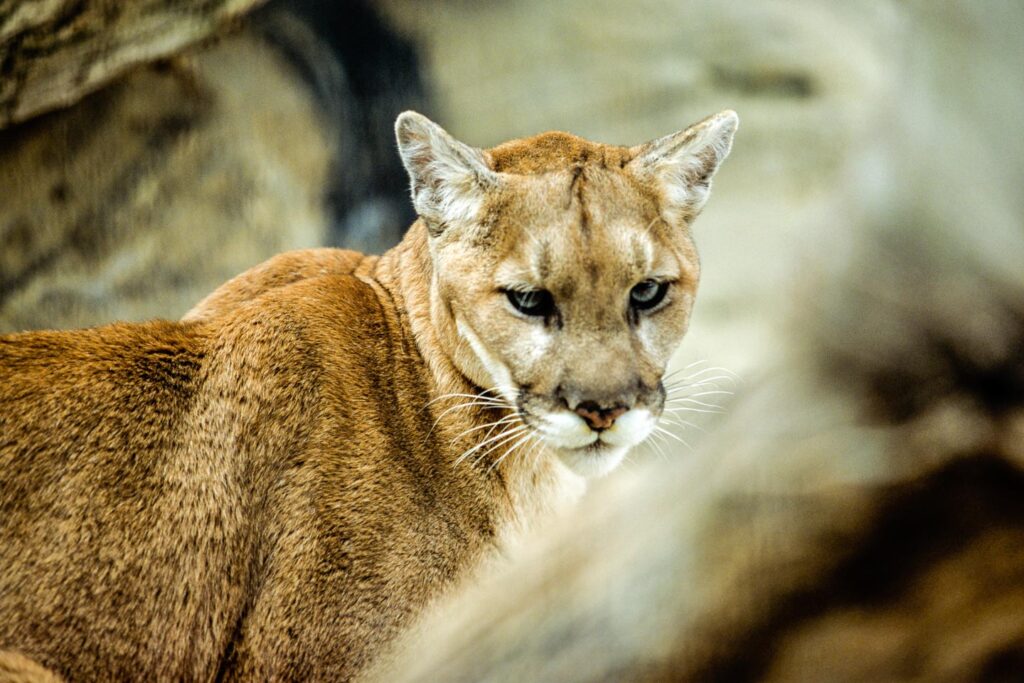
x: 595, y: 460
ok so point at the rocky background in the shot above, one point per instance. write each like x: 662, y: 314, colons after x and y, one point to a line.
x: 862, y: 257
x: 148, y: 154
x: 150, y: 151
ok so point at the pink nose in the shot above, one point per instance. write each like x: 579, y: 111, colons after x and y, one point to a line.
x: 599, y: 418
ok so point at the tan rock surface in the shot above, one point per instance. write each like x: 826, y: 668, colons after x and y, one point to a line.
x: 147, y: 195
x: 53, y: 52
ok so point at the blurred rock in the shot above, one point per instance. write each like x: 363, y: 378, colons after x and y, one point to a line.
x: 54, y: 52
x: 139, y: 200
x: 146, y: 195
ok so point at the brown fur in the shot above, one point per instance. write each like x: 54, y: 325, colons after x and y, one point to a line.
x: 183, y: 497
x: 271, y: 487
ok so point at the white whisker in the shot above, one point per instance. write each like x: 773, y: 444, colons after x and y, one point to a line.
x: 685, y: 409
x: 662, y: 430
x: 508, y: 418
x: 537, y: 452
x: 684, y: 369
x: 508, y: 436
x: 656, y: 445
x: 509, y: 450
x: 728, y: 374
x: 478, y: 397
x: 686, y: 400
x: 713, y: 392
x: 682, y: 423
x: 711, y: 382
x: 497, y: 440
x: 459, y: 406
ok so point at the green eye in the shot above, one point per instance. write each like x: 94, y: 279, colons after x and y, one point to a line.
x: 647, y: 294
x: 534, y: 302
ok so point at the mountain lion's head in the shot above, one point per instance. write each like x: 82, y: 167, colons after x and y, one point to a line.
x: 565, y: 272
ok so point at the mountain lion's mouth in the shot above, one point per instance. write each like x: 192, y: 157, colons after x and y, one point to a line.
x: 596, y: 448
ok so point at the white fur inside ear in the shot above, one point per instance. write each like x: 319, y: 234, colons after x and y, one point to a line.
x: 449, y: 178
x: 683, y: 164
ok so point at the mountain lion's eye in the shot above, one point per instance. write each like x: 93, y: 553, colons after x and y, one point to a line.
x: 647, y: 294
x: 538, y: 302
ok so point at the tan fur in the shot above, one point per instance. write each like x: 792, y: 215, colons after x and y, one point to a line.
x: 272, y: 488
x: 16, y: 668
x: 553, y: 152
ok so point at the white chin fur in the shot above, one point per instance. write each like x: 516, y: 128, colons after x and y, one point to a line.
x: 566, y: 430
x: 571, y: 436
x: 630, y: 429
x: 591, y: 464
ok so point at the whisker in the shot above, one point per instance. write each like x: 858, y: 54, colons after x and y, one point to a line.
x: 536, y: 452
x: 491, y: 431
x: 497, y: 440
x: 686, y: 400
x: 487, y: 440
x: 666, y: 432
x: 478, y: 397
x: 695, y: 363
x: 709, y: 382
x: 653, y: 222
x: 698, y: 378
x: 508, y: 418
x: 684, y: 409
x: 498, y: 390
x: 727, y: 373
x: 503, y: 438
x: 459, y: 406
x: 712, y: 392
x: 509, y: 450
x: 703, y: 386
x: 685, y: 403
x: 656, y: 445
x: 683, y: 423
x: 716, y: 381
x: 469, y: 404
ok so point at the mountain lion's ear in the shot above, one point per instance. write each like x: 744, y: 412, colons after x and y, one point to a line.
x: 681, y: 165
x: 449, y: 178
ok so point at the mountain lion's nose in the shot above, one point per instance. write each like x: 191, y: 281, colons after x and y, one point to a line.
x: 597, y: 417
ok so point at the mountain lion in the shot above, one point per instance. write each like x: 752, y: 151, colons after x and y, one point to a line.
x: 276, y: 486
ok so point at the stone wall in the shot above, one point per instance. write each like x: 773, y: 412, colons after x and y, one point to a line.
x: 150, y: 151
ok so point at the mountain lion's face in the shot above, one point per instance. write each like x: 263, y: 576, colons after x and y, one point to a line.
x: 568, y: 272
